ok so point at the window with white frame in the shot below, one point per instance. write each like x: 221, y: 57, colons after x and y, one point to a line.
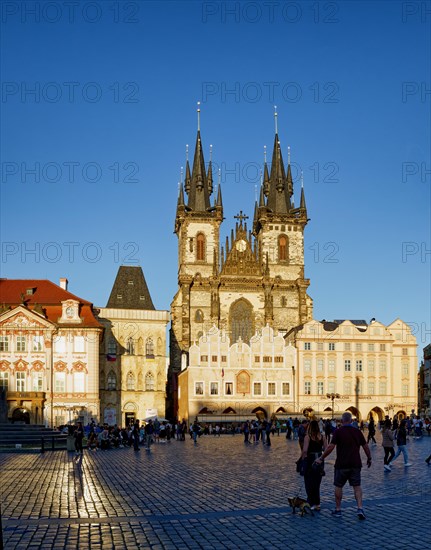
x: 331, y: 365
x: 320, y: 365
x: 20, y: 343
x: 405, y: 390
x: 285, y: 388
x: 347, y: 346
x: 37, y: 343
x: 347, y: 386
x: 271, y: 388
x: 4, y: 381
x: 359, y: 365
x: 331, y: 386
x: 307, y: 346
x: 4, y: 343
x: 214, y: 388
x: 257, y: 388
x: 358, y: 347
x: 79, y: 382
x: 60, y: 344
x: 307, y: 388
x: 405, y: 368
x: 371, y: 365
x: 347, y: 365
x: 199, y: 388
x: 79, y: 344
x: 307, y: 365
x: 228, y: 388
x: 20, y: 381
x: 331, y: 346
x: 405, y: 351
x: 382, y: 388
x: 382, y: 366
x: 319, y: 388
x: 371, y: 388
x: 382, y: 347
x: 370, y: 347
x: 60, y: 382
x: 38, y: 381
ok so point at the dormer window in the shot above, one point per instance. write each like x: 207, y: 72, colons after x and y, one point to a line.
x: 131, y: 283
x: 29, y: 291
x: 70, y: 312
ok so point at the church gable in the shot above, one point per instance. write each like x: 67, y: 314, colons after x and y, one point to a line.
x: 241, y: 259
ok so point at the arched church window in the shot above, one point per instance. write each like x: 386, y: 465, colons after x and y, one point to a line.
x: 282, y: 248
x: 130, y: 382
x: 149, y: 382
x: 149, y: 348
x: 241, y: 321
x: 199, y: 316
x: 112, y: 346
x: 112, y: 381
x: 200, y: 247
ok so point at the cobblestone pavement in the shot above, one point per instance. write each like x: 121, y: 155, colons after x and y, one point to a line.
x: 220, y: 493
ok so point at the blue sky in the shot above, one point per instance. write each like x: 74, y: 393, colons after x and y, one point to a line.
x: 116, y: 86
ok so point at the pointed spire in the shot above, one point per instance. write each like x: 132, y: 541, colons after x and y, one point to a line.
x: 261, y: 198
x: 210, y: 172
x: 302, y: 204
x: 276, y: 119
x: 187, y: 181
x: 180, y: 195
x: 265, y: 174
x: 199, y: 116
x: 198, y: 195
x: 219, y: 202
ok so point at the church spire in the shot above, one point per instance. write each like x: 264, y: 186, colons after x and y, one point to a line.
x: 302, y: 205
x: 210, y: 172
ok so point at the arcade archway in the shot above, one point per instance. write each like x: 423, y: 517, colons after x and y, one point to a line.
x: 21, y: 415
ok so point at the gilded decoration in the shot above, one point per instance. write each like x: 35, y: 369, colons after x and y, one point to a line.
x: 4, y: 366
x: 37, y: 365
x: 243, y: 382
x: 21, y: 365
x: 79, y: 366
x: 60, y: 366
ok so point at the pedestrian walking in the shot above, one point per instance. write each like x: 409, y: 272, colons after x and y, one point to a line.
x: 314, y: 444
x: 79, y: 436
x: 135, y: 435
x: 402, y: 444
x: 388, y: 444
x: 195, y: 431
x: 371, y: 431
x: 348, y: 441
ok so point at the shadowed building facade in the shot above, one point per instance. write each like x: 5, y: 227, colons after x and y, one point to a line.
x: 133, y: 362
x: 252, y: 280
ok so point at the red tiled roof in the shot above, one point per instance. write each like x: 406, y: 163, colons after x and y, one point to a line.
x: 48, y: 295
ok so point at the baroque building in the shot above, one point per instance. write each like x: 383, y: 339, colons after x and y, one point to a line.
x: 253, y: 279
x: 133, y: 361
x: 49, y: 353
x: 367, y: 369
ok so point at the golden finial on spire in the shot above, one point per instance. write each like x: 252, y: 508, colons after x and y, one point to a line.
x: 275, y: 119
x: 199, y: 115
x: 181, y: 175
x: 264, y: 153
x: 288, y: 154
x: 187, y: 152
x: 302, y: 179
x: 219, y: 176
x: 211, y: 153
x: 255, y: 190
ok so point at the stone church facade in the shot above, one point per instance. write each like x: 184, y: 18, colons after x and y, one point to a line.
x: 252, y: 280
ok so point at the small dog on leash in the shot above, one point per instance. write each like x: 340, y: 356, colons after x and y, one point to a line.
x: 301, y: 504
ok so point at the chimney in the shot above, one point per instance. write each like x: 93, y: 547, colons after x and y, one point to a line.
x: 63, y: 283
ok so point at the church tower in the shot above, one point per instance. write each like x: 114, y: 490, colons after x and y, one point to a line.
x: 255, y: 279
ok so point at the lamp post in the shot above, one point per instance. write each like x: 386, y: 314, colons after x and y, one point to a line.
x: 293, y: 382
x: 333, y: 397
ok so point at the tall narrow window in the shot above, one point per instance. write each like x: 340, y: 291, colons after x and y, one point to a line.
x: 20, y: 381
x: 200, y: 247
x: 241, y: 321
x: 130, y: 384
x: 4, y: 381
x: 130, y: 346
x: 112, y: 381
x: 149, y: 382
x: 282, y: 248
x: 149, y: 348
x: 20, y: 343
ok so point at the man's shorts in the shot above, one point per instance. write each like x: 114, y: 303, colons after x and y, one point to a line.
x: 352, y: 475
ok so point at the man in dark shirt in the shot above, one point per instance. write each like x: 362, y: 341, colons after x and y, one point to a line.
x: 348, y: 441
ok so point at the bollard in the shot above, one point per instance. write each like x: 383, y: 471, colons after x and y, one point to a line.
x: 42, y: 445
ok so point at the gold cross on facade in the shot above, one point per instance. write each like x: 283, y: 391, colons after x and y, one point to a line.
x: 241, y: 217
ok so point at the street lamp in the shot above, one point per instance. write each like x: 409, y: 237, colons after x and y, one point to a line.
x: 332, y: 397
